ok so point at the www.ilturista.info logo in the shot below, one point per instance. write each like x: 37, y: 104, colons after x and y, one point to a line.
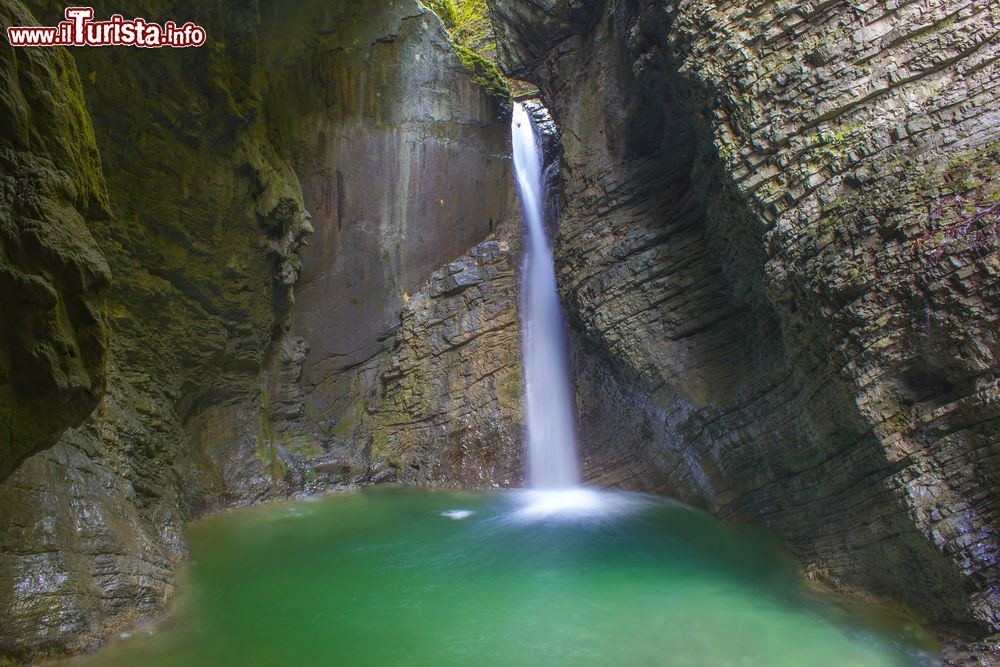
x: 80, y: 30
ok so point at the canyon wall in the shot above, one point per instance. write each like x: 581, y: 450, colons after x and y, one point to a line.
x: 405, y: 166
x: 449, y: 409
x: 198, y: 221
x: 771, y: 247
x: 53, y: 354
x: 154, y: 226
x: 786, y: 307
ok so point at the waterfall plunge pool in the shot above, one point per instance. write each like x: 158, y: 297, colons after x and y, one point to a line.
x: 394, y: 576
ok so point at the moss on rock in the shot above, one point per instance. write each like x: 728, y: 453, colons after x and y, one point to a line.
x: 53, y: 277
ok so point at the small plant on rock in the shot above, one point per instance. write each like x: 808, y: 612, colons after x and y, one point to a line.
x: 969, y: 217
x: 471, y: 35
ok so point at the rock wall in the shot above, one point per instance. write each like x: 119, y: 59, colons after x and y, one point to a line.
x: 200, y: 220
x: 449, y: 409
x: 405, y: 166
x: 787, y: 309
x: 195, y: 213
x: 53, y: 354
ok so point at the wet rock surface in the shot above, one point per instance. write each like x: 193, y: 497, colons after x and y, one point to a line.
x: 209, y: 160
x: 450, y: 406
x: 200, y: 227
x: 405, y: 166
x: 779, y: 309
x: 746, y: 190
x: 53, y: 278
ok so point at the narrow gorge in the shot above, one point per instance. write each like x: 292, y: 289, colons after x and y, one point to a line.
x: 286, y: 267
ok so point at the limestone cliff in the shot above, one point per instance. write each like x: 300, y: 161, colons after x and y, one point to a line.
x: 53, y: 278
x: 786, y: 303
x: 199, y: 218
x: 775, y: 245
x: 449, y: 409
x: 195, y: 215
x: 405, y: 166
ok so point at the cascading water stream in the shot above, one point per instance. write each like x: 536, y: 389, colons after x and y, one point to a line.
x: 552, y: 462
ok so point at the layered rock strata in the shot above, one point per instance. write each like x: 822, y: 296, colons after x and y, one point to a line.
x: 164, y: 271
x: 405, y: 166
x: 771, y: 251
x: 450, y: 406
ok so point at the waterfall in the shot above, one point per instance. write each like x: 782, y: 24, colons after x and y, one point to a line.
x: 548, y: 397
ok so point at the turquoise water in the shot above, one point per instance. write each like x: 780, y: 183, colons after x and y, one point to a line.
x: 410, y: 577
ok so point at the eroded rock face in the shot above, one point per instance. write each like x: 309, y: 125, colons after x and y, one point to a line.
x: 224, y: 388
x: 744, y: 187
x: 450, y: 410
x: 53, y: 277
x: 209, y: 155
x: 526, y: 31
x: 405, y: 166
x: 200, y: 222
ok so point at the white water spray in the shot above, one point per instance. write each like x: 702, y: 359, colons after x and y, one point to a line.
x: 548, y: 399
